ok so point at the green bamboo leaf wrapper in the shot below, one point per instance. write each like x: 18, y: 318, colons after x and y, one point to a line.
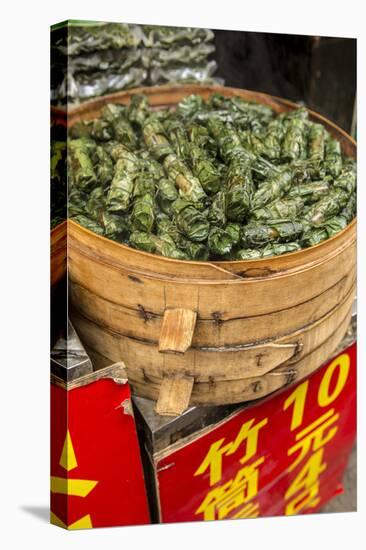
x: 151, y: 167
x: 194, y: 251
x: 189, y: 105
x: 101, y: 130
x: 103, y: 166
x: 273, y: 139
x: 248, y: 254
x: 167, y: 194
x: 217, y: 211
x: 86, y: 222
x: 239, y: 182
x: 314, y: 236
x: 155, y: 138
x: 200, y: 136
x: 298, y: 114
x: 228, y: 141
x: 240, y: 188
x: 143, y: 215
x: 115, y: 116
x: 166, y: 226
x: 349, y: 211
x: 281, y: 208
x: 81, y: 129
x: 335, y: 224
x: 307, y: 170
x: 138, y: 110
x: 263, y: 169
x: 255, y: 235
x: 190, y: 221
x: 58, y: 156
x: 277, y: 249
x: 310, y: 192
x: 207, y: 173
x: 273, y: 189
x: 115, y: 227
x: 234, y: 230
x: 121, y: 189
x: 178, y: 137
x: 272, y: 249
x: 328, y: 206
x: 333, y: 157
x: 80, y: 163
x: 316, y: 142
x: 113, y: 111
x: 347, y: 179
x: 294, y: 142
x: 188, y: 185
x: 142, y: 241
x: 123, y: 132
x: 95, y: 204
x: 220, y: 241
x: 144, y: 184
x: 76, y: 203
x: 152, y: 243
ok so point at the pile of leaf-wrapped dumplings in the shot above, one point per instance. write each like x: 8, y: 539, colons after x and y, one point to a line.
x: 221, y: 179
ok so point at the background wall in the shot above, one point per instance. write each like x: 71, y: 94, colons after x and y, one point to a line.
x: 321, y: 72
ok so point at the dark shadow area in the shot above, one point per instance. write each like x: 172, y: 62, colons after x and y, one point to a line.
x: 39, y: 512
x: 319, y: 71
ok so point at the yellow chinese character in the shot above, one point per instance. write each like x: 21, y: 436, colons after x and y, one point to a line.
x: 308, y: 474
x: 314, y: 437
x: 307, y: 482
x: 250, y: 510
x: 221, y: 500
x: 248, y: 433
x: 308, y: 498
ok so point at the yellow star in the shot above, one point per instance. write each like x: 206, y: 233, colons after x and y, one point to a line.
x: 71, y: 487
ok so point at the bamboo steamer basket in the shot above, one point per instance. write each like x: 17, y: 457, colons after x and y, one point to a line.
x: 210, y: 333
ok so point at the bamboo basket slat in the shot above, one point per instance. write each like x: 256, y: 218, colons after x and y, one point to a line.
x: 253, y: 326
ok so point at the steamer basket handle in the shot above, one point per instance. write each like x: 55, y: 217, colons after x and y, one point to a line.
x: 177, y: 330
x: 174, y: 395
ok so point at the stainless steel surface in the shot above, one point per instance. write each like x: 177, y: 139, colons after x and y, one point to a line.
x: 69, y: 359
x: 162, y: 431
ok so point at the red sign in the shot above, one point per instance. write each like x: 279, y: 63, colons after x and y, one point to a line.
x: 96, y: 472
x: 283, y: 456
